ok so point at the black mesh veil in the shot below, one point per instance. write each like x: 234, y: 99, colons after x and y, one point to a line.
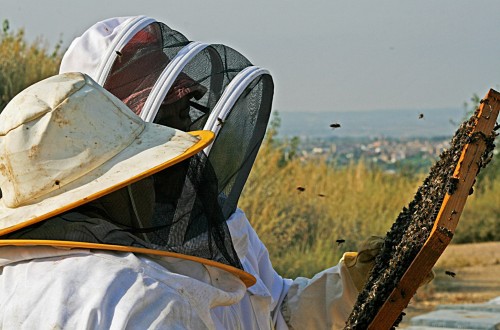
x: 183, y: 208
x: 235, y: 148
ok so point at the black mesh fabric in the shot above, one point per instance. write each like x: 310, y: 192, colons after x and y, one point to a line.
x: 214, y: 68
x: 236, y: 146
x: 80, y: 227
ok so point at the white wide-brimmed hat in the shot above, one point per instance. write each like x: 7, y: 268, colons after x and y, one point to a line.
x: 65, y: 141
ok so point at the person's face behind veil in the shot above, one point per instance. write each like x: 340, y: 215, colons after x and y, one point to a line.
x: 175, y: 114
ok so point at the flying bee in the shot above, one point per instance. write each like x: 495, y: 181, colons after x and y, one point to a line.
x: 450, y: 273
x: 421, y: 116
x: 335, y: 125
x: 340, y: 241
x: 220, y: 122
x: 301, y: 189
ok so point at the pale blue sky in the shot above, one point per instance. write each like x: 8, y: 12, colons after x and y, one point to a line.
x: 324, y: 55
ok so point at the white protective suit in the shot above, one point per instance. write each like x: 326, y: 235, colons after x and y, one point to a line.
x: 54, y: 288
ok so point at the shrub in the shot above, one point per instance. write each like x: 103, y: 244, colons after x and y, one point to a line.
x: 23, y: 63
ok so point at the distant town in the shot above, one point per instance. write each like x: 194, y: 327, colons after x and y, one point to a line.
x: 394, y: 140
x: 390, y: 154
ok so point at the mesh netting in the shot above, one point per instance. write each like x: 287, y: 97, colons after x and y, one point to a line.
x: 140, y: 63
x: 236, y: 146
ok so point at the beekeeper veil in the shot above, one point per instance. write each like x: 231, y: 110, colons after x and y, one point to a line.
x: 165, y: 78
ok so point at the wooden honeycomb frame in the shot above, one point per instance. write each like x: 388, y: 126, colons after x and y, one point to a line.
x: 426, y: 226
x: 446, y: 220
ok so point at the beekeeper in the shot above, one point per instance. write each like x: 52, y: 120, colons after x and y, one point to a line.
x: 322, y: 302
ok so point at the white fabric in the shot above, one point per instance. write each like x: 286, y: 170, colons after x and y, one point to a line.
x: 46, y: 288
x: 495, y: 301
x: 323, y: 302
x: 85, y: 53
x: 49, y: 288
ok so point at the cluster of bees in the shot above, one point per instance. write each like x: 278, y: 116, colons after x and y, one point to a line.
x: 412, y: 228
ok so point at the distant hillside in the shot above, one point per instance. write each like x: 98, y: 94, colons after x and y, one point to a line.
x: 388, y: 123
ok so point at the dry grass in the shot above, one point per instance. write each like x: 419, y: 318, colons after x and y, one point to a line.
x: 23, y: 63
x: 467, y: 255
x: 300, y: 228
x: 480, y: 220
